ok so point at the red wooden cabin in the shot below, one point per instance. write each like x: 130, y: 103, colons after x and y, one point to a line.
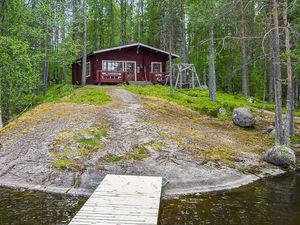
x: 132, y: 62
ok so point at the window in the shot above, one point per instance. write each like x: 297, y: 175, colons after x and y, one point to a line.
x: 112, y: 66
x: 88, y: 69
x: 120, y: 66
x: 156, y: 67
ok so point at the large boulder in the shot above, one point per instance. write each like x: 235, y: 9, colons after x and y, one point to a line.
x: 281, y: 155
x: 243, y: 117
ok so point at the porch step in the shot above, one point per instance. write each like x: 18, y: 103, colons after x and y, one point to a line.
x: 140, y: 83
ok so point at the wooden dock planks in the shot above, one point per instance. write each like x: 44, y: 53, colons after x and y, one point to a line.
x: 122, y: 199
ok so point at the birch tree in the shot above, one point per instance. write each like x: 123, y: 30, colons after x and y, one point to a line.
x: 212, y: 69
x: 277, y: 77
x: 84, y: 50
x: 289, y: 99
x: 245, y: 87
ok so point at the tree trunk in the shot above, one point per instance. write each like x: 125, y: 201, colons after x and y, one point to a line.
x: 84, y: 56
x: 46, y: 59
x: 170, y: 44
x: 123, y: 22
x: 63, y: 41
x: 141, y: 14
x: 289, y: 98
x: 1, y: 123
x: 182, y: 33
x: 271, y: 60
x: 244, y: 53
x: 203, y: 80
x: 101, y: 25
x: 277, y: 77
x: 112, y: 38
x: 4, y: 98
x: 189, y: 46
x: 182, y: 40
x: 212, y: 70
x: 131, y: 21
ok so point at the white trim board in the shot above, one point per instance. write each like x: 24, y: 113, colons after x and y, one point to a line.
x: 133, y: 45
x: 156, y: 63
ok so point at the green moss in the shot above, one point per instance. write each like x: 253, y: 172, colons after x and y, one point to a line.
x: 88, y: 95
x: 67, y: 93
x: 199, y: 100
x: 252, y: 169
x: 228, y: 163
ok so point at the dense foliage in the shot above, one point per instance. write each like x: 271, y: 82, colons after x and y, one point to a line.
x: 39, y: 39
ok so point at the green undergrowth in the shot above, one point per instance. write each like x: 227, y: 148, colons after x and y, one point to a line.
x: 199, y: 100
x: 68, y: 93
x: 138, y: 153
x: 69, y: 149
x: 295, y: 139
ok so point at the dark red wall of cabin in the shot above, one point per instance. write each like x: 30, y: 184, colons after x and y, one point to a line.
x: 143, y: 59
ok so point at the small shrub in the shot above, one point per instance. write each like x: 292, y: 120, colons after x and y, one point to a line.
x: 62, y: 163
x: 113, y: 158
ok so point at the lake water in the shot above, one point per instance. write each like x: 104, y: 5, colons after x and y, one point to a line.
x: 273, y: 201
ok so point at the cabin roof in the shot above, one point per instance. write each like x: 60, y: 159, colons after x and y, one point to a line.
x: 135, y: 45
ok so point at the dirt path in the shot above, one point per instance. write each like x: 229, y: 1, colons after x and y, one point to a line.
x: 145, y: 136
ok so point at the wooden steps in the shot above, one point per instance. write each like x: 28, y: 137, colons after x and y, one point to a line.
x: 140, y: 83
x: 121, y: 199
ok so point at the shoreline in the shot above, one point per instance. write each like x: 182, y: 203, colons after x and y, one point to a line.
x: 167, y: 193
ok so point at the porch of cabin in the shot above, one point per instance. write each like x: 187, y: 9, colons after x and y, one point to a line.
x: 115, y: 77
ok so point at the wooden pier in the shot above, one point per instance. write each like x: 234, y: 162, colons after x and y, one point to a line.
x: 122, y: 200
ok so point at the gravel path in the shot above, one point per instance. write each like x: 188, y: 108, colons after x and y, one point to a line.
x: 26, y: 161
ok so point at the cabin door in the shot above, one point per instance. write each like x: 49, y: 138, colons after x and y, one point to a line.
x: 130, y: 69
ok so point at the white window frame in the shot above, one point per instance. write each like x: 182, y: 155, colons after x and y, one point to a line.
x: 123, y: 65
x: 89, y: 73
x: 152, y: 63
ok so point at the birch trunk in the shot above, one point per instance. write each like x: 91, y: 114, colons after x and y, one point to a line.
x: 63, y: 42
x: 170, y: 44
x: 270, y: 59
x: 212, y: 70
x: 289, y: 98
x: 1, y: 123
x: 277, y: 77
x: 183, y: 40
x: 83, y: 74
x: 245, y: 87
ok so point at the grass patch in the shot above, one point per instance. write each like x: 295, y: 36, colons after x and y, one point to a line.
x: 295, y: 139
x: 70, y: 148
x: 199, y: 100
x: 89, y: 142
x: 88, y: 95
x: 157, y: 146
x: 62, y: 163
x: 67, y: 93
x: 113, y: 158
x: 224, y: 154
x: 139, y: 152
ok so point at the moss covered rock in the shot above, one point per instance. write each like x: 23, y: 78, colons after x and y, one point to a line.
x: 281, y: 156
